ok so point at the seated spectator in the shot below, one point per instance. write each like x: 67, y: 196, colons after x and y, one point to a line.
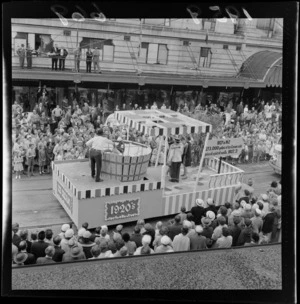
x: 69, y: 234
x: 130, y: 245
x: 30, y: 257
x: 48, y: 236
x: 87, y: 244
x: 146, y: 240
x: 246, y: 233
x: 47, y: 259
x: 218, y: 230
x: 75, y: 254
x: 165, y: 245
x: 182, y: 214
x: 198, y: 211
x: 158, y: 226
x: 38, y: 248
x: 197, y: 240
x: 149, y: 230
x: 19, y: 259
x: 16, y: 238
x: 225, y: 241
x: 175, y: 228
x: 58, y: 254
x: 124, y: 252
x: 257, y: 221
x: 211, y: 206
x: 24, y: 237
x: 235, y: 230
x: 181, y: 241
x: 95, y: 251
x: 254, y: 240
x: 136, y: 236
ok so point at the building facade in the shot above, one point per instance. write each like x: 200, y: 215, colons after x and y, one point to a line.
x: 143, y: 60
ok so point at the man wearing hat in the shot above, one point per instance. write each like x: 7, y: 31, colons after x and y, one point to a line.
x: 76, y: 254
x: 87, y: 244
x: 30, y: 257
x: 69, y: 234
x: 97, y: 145
x: 175, y: 159
x: 211, y: 206
x: 235, y: 230
x: 19, y: 259
x: 197, y: 240
x: 58, y: 254
x: 198, y: 211
x: 64, y: 228
x: 207, y: 229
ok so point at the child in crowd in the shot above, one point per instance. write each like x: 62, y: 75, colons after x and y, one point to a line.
x: 18, y: 166
x: 42, y: 158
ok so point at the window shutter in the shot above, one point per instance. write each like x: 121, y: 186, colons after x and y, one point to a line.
x: 162, y: 54
x: 152, y: 53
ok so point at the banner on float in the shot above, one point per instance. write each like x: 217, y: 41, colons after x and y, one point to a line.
x: 224, y: 147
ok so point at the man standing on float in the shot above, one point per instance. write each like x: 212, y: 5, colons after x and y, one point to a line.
x: 98, y: 145
x: 175, y: 159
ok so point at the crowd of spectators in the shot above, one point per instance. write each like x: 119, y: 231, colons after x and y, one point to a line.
x: 53, y: 132
x: 251, y: 219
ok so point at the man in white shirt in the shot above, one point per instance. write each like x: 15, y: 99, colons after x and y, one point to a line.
x: 98, y: 145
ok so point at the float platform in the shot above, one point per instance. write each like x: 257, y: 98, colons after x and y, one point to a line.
x: 113, y: 202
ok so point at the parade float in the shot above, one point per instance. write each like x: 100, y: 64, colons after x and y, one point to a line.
x: 132, y: 190
x: 275, y: 161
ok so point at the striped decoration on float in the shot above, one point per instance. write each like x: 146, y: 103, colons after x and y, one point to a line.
x: 171, y: 204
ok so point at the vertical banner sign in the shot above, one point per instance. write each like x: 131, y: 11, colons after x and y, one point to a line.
x: 65, y: 197
x: 224, y: 147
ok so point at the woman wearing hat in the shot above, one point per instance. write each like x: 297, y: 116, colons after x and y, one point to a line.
x: 166, y: 245
x: 175, y: 159
x: 19, y: 259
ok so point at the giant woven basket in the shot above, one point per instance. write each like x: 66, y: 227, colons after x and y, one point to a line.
x: 131, y: 166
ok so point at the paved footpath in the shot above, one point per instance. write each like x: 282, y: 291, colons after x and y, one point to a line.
x: 33, y: 204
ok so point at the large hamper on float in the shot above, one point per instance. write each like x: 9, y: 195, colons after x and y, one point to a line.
x: 126, y: 168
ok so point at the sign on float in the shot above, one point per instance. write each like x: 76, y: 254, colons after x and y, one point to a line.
x: 224, y: 147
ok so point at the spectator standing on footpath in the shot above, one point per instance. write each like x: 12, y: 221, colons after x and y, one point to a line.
x: 96, y: 57
x: 21, y: 53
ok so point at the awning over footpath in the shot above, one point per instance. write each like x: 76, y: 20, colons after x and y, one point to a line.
x: 265, y: 67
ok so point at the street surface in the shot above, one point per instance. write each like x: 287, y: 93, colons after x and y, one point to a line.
x: 34, y: 205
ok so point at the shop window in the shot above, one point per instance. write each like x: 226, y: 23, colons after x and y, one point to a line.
x: 205, y: 57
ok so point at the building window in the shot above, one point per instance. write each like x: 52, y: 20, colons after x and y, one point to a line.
x: 20, y: 38
x: 225, y: 46
x: 153, y: 53
x: 264, y: 24
x: 106, y: 47
x: 205, y: 57
x: 43, y: 44
x: 238, y: 48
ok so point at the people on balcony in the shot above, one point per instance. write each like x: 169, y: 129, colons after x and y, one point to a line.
x: 21, y: 53
x: 63, y: 53
x: 96, y: 59
x: 89, y: 57
x: 29, y: 52
x: 77, y: 56
x: 54, y: 56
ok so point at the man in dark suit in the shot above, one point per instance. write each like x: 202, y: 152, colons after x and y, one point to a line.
x: 38, y: 248
x: 198, y: 211
x: 63, y: 53
x: 30, y: 257
x: 55, y: 54
x: 175, y: 228
x: 58, y: 254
